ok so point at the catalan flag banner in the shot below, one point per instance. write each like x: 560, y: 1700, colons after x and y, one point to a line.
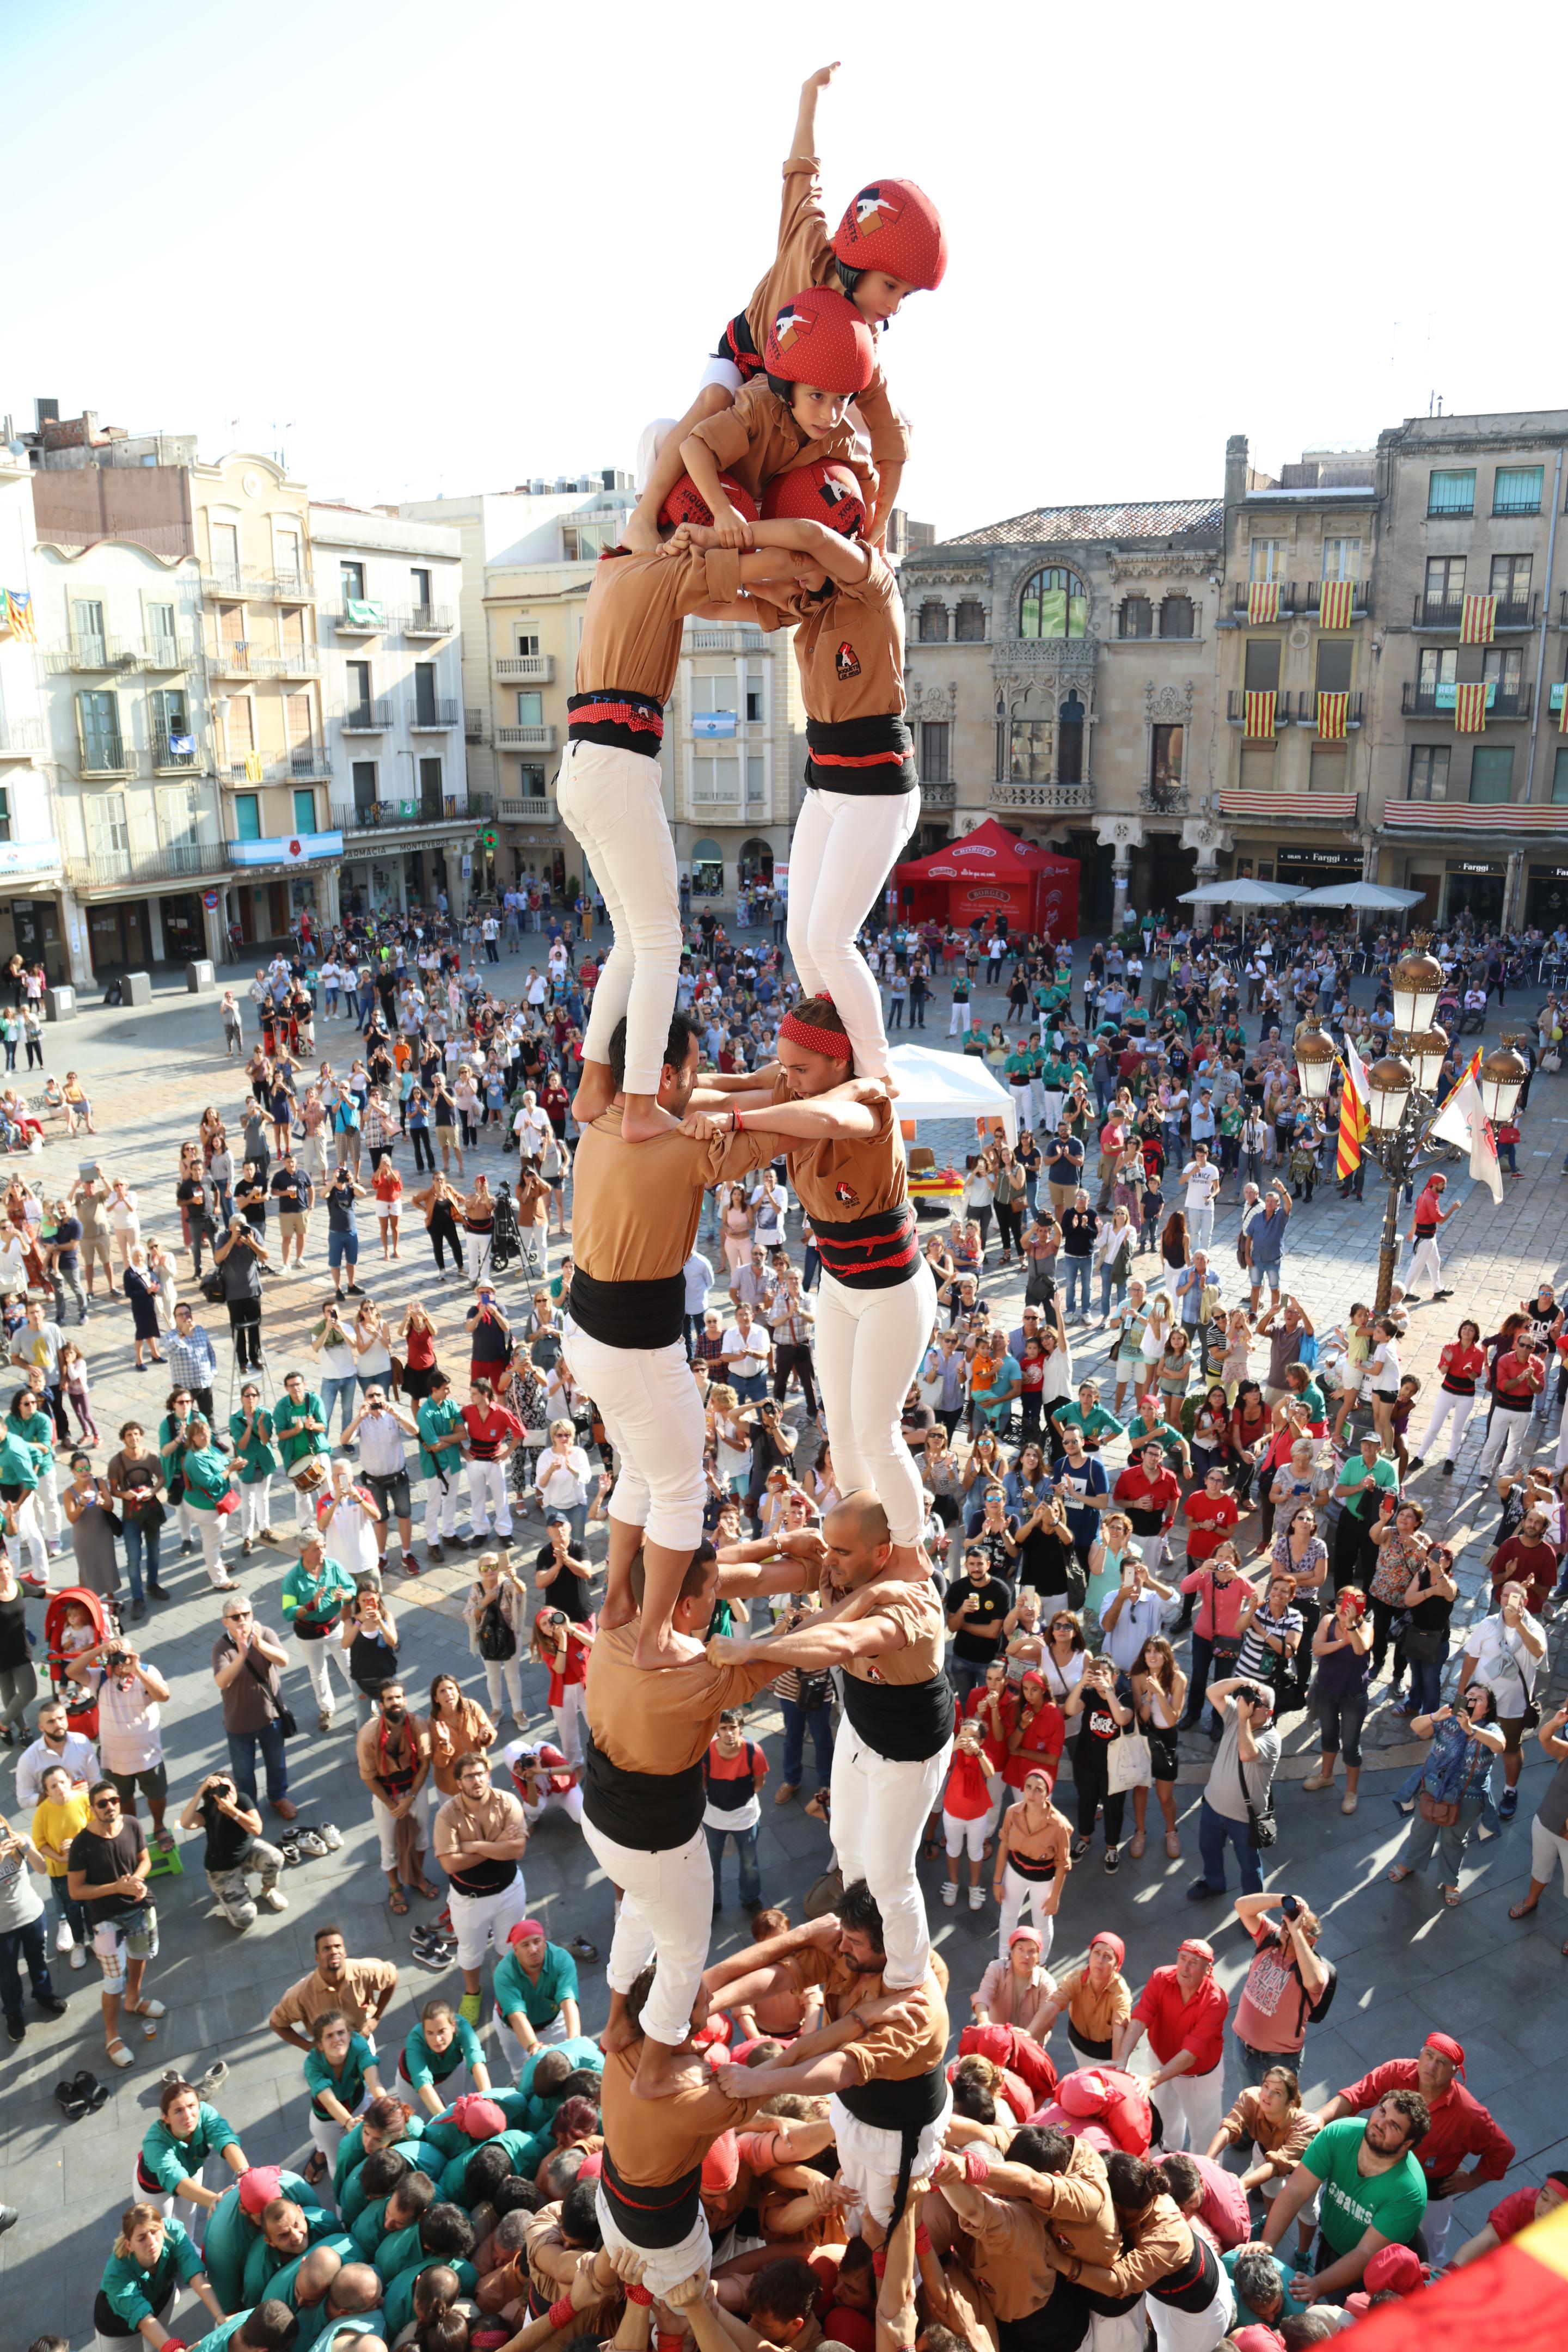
x: 1333, y: 716
x: 17, y: 611
x: 1263, y: 600
x: 1260, y: 710
x: 253, y: 767
x: 1477, y: 624
x: 1515, y: 2297
x: 1334, y: 605
x: 1353, y: 1117
x: 1562, y: 713
x: 1470, y: 707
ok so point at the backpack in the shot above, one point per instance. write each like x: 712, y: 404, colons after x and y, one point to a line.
x: 495, y: 1637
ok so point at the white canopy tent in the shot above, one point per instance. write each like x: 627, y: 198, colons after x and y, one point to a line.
x: 1367, y: 898
x: 934, y: 1085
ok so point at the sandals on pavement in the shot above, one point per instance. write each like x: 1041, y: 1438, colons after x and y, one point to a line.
x: 118, y: 2053
x: 396, y: 1900
x: 316, y: 2168
x: 71, y: 2102
x: 94, y: 2092
x: 581, y: 1949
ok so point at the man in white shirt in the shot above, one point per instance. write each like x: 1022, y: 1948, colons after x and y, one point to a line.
x: 57, y: 1743
x: 1202, y: 1180
x: 489, y: 933
x: 746, y: 1354
x: 537, y: 990
x: 129, y: 1736
x: 771, y: 1203
x: 530, y: 1126
x: 1133, y: 1614
x: 752, y: 1285
x: 698, y: 1272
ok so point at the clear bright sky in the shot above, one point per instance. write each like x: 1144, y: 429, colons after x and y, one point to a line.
x: 440, y: 249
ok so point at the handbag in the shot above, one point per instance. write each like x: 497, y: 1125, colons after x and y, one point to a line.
x: 284, y: 1717
x: 225, y: 1504
x: 1129, y: 1764
x: 1423, y: 1644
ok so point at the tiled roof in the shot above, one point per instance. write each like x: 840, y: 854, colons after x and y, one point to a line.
x: 1151, y: 519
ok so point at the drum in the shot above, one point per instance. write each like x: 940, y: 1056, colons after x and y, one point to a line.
x: 308, y: 1477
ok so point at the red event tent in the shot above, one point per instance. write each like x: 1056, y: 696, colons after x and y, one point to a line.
x: 992, y: 872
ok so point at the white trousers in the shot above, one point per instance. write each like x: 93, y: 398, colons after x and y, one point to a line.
x: 663, y: 2267
x: 958, y: 1021
x: 329, y: 2135
x: 316, y: 1658
x: 568, y: 1720
x: 1424, y: 1260
x: 305, y: 1509
x: 960, y: 1834
x: 845, y: 846
x: 667, y: 1909
x: 1125, y: 2332
x: 477, y: 1920
x: 1452, y: 1413
x: 1192, y: 2331
x: 1439, y: 2214
x: 184, y: 2209
x: 880, y: 1809
x: 868, y: 2157
x: 486, y: 1493
x: 255, y: 1508
x: 612, y: 802
x: 1509, y: 1436
x: 386, y: 1832
x: 1020, y: 1895
x: 570, y: 1802
x: 475, y: 1254
x: 1190, y: 2109
x: 654, y: 1418
x: 30, y: 1537
x: 1546, y: 1850
x: 209, y: 1530
x: 48, y: 1502
x: 510, y: 1670
x: 440, y: 1508
x: 869, y: 1344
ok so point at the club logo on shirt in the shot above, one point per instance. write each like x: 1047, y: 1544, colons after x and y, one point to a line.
x: 791, y: 326
x: 873, y: 211
x: 846, y: 1194
x: 846, y: 660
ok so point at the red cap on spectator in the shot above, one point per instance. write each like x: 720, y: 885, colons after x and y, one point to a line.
x: 1446, y: 2047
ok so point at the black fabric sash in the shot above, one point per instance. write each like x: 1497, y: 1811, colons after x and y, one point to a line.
x: 905, y: 1722
x: 651, y: 1811
x: 874, y: 1253
x: 651, y: 2216
x: 873, y: 757
x: 626, y: 722
x: 630, y: 1314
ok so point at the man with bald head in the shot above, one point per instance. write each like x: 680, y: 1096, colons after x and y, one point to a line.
x: 884, y: 1627
x: 347, y: 2316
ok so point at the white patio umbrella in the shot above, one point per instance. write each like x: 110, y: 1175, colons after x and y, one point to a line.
x: 1242, y: 891
x: 934, y: 1085
x: 1367, y: 898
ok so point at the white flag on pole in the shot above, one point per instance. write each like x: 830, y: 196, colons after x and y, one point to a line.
x: 1463, y: 1120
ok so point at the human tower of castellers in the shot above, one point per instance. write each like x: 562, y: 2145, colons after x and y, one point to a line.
x: 778, y: 2149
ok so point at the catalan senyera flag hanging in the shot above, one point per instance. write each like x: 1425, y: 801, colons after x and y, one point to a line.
x: 1562, y: 713
x: 17, y: 611
x: 1470, y: 707
x: 1477, y: 624
x: 1334, y: 605
x: 1516, y: 2296
x: 1259, y: 723
x: 1263, y: 600
x: 1353, y: 1115
x: 253, y: 767
x: 1334, y: 717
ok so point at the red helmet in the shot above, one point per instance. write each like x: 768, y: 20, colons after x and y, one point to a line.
x: 893, y: 225
x: 686, y: 502
x: 820, y: 338
x: 826, y: 492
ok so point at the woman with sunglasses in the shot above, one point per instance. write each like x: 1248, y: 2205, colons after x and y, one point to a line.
x: 1341, y: 1645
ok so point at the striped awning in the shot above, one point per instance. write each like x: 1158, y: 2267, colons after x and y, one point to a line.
x: 1466, y: 816
x: 1288, y: 807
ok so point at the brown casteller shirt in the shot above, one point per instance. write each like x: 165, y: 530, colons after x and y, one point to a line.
x: 662, y: 1722
x: 1095, y: 2017
x: 848, y: 1176
x: 805, y: 260
x: 363, y: 1983
x: 1051, y: 1843
x: 658, y: 2141
x: 758, y: 437
x: 1161, y: 2243
x: 891, y: 2053
x: 635, y: 610
x: 1284, y: 2145
x: 1022, y: 2240
x: 918, y: 1619
x: 849, y: 646
x: 635, y: 1206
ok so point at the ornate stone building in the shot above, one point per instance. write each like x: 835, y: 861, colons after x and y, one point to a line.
x: 1061, y: 672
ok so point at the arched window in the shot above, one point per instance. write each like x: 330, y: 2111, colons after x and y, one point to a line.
x: 1176, y: 617
x: 707, y: 870
x: 1137, y: 617
x: 933, y: 623
x: 1069, y: 720
x: 756, y: 861
x: 970, y: 622
x: 1053, y: 604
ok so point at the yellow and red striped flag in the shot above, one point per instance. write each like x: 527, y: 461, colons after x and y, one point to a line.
x: 1335, y: 606
x: 1477, y: 624
x: 1562, y: 713
x: 253, y: 767
x: 1515, y: 2297
x: 16, y: 608
x: 1353, y: 1121
x: 1470, y: 707
x: 1262, y: 601
x: 1260, y: 717
x: 1334, y: 717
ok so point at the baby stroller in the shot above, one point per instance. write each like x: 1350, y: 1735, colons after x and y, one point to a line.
x: 506, y: 1239
x: 81, y: 1699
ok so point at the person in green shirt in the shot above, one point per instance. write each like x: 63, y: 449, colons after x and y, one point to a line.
x: 340, y: 2075
x: 234, y: 2226
x: 397, y: 2303
x: 536, y: 1993
x: 305, y: 2275
x: 349, y: 2308
x: 442, y: 2058
x: 1261, y: 2285
x: 314, y: 1592
x: 387, y: 2122
x: 143, y: 2274
x: 288, y: 2230
x: 209, y: 1476
x: 300, y: 1426
x: 1087, y: 1414
x: 1375, y: 2193
x: 175, y: 2149
x: 1151, y: 1423
x: 251, y: 1432
x: 1364, y: 1478
x: 441, y: 1432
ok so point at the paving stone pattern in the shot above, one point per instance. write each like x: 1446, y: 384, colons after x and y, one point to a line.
x: 1407, y: 1964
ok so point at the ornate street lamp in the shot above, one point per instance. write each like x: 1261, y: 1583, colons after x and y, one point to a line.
x: 1416, y: 981
x: 1315, y: 1059
x: 1390, y: 1084
x: 1426, y: 1051
x: 1502, y: 1077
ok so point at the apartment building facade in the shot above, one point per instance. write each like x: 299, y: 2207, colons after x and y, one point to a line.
x: 388, y: 622
x: 37, y: 917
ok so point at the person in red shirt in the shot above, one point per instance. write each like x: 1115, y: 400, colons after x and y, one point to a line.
x: 561, y: 1649
x: 1460, y: 2127
x: 388, y: 1186
x: 1515, y: 2213
x: 1529, y: 1560
x: 1037, y: 1735
x: 1223, y: 1594
x: 1183, y: 2011
x: 1423, y: 1237
x: 1459, y: 1366
x: 1210, y: 1512
x: 1518, y: 1379
x: 1149, y: 1493
x: 493, y: 1437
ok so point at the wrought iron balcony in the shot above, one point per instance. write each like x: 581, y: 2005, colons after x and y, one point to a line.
x: 393, y: 817
x: 1449, y: 612
x: 113, y: 870
x: 94, y: 654
x: 20, y: 738
x: 474, y: 727
x: 429, y: 621
x: 431, y: 717
x: 367, y: 718
x: 166, y: 760
x: 1049, y: 799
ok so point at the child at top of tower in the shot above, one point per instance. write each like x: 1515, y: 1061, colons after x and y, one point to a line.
x: 889, y: 244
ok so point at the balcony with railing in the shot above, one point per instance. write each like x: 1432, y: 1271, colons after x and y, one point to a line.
x: 92, y: 654
x: 1284, y: 704
x: 1234, y: 607
x: 306, y: 765
x: 526, y: 738
x: 227, y: 584
x: 429, y: 621
x: 165, y: 654
x: 744, y: 640
x: 432, y: 718
x: 366, y: 719
x: 1419, y: 701
x: 1448, y: 612
x: 1462, y: 818
x: 360, y: 616
x: 524, y: 669
x: 108, y: 756
x: 1306, y: 712
x: 532, y: 808
x: 938, y: 796
x: 1311, y: 597
x: 1055, y: 800
x: 1265, y: 807
x: 474, y: 727
x: 289, y: 661
x: 111, y: 869
x: 20, y: 738
x: 173, y: 749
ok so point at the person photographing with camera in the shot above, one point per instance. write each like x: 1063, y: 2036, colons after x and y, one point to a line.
x: 380, y: 1429
x: 236, y: 1850
x: 1236, y: 1797
x: 238, y: 1259
x: 130, y: 1735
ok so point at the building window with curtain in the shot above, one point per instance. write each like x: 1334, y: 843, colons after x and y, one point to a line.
x: 1516, y: 490
x: 1177, y: 617
x: 1053, y: 604
x: 1342, y: 558
x: 1492, y: 772
x: 304, y: 812
x: 934, y: 734
x: 1451, y: 491
x: 1429, y: 771
x: 1266, y: 561
x: 1136, y: 618
x: 934, y: 622
x: 969, y: 623
x: 248, y: 816
x: 1165, y: 752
